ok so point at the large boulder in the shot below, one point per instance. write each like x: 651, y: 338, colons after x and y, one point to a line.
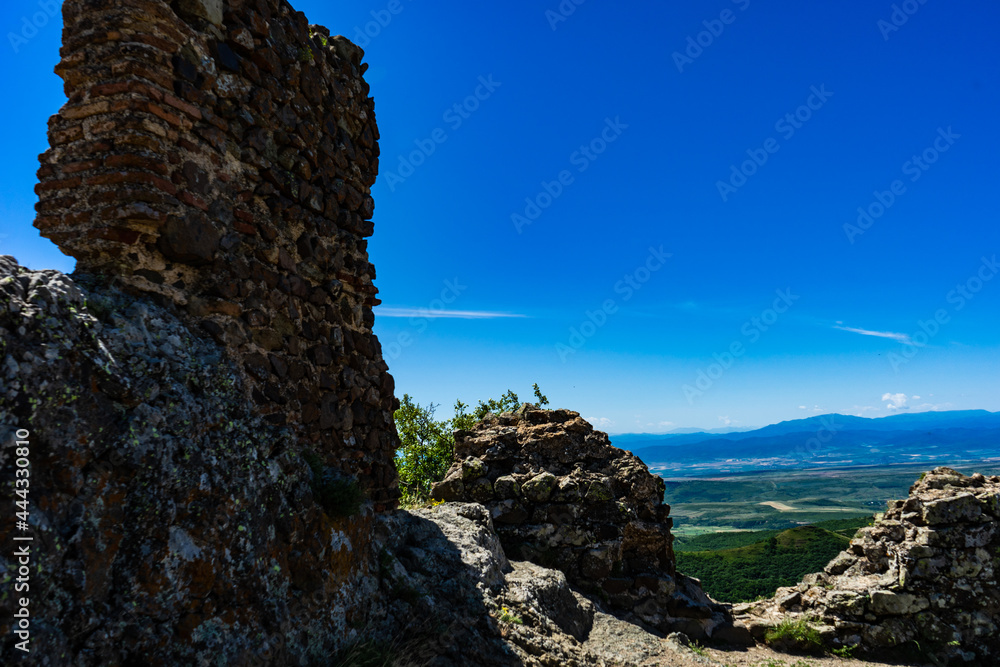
x: 456, y: 600
x: 560, y: 495
x: 169, y: 522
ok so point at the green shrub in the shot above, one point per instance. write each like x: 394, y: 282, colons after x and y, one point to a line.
x: 337, y: 495
x: 797, y: 634
x: 508, y: 616
x: 540, y: 398
x: 845, y: 651
x: 426, y: 450
x: 427, y: 445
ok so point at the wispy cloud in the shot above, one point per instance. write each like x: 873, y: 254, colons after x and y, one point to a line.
x: 443, y: 314
x: 901, y: 402
x: 901, y: 337
x: 896, y: 401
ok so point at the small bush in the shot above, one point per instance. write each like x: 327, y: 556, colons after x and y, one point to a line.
x: 337, y: 495
x: 796, y: 635
x: 507, y: 616
x: 845, y: 651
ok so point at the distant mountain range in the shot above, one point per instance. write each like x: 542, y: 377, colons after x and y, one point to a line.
x: 828, y: 440
x: 645, y: 437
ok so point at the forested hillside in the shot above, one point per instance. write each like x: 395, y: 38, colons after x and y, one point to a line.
x: 742, y: 566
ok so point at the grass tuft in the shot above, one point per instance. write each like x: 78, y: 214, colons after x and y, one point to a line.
x: 796, y: 635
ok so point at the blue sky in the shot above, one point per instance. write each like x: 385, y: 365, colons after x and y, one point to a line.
x: 524, y: 236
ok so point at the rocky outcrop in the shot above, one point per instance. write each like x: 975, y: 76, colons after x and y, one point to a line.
x: 168, y: 521
x: 561, y: 496
x: 456, y: 600
x: 924, y: 576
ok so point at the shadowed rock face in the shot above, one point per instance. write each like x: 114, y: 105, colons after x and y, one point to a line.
x: 925, y: 574
x: 211, y: 173
x: 449, y: 583
x: 170, y: 522
x: 561, y: 496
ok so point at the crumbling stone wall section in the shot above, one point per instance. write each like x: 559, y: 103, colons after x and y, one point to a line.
x: 562, y: 496
x: 218, y: 156
x: 923, y: 578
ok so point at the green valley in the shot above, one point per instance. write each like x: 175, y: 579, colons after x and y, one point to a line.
x: 757, y: 569
x: 745, y: 535
x: 779, y: 500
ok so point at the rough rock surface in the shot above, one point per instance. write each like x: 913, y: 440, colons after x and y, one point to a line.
x: 923, y: 577
x: 561, y: 496
x: 170, y: 522
x: 218, y: 156
x: 457, y: 600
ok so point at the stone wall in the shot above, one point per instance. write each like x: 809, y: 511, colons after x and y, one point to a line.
x: 561, y: 496
x: 922, y: 579
x: 219, y: 156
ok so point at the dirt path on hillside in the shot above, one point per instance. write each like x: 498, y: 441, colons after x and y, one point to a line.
x: 614, y: 643
x: 761, y: 656
x: 781, y: 507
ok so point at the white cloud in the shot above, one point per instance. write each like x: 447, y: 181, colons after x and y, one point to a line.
x: 442, y: 314
x: 726, y: 421
x: 666, y: 423
x: 896, y: 401
x: 916, y: 398
x: 902, y: 338
x: 802, y: 407
x: 600, y: 422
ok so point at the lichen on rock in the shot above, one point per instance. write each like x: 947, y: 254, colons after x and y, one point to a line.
x: 170, y: 520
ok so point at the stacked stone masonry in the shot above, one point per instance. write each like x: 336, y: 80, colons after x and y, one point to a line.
x: 923, y: 577
x: 219, y: 156
x: 561, y: 496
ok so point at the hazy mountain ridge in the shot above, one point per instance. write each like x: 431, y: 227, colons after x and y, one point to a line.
x: 839, y: 439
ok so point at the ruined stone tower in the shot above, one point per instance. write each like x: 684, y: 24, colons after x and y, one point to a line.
x: 219, y: 155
